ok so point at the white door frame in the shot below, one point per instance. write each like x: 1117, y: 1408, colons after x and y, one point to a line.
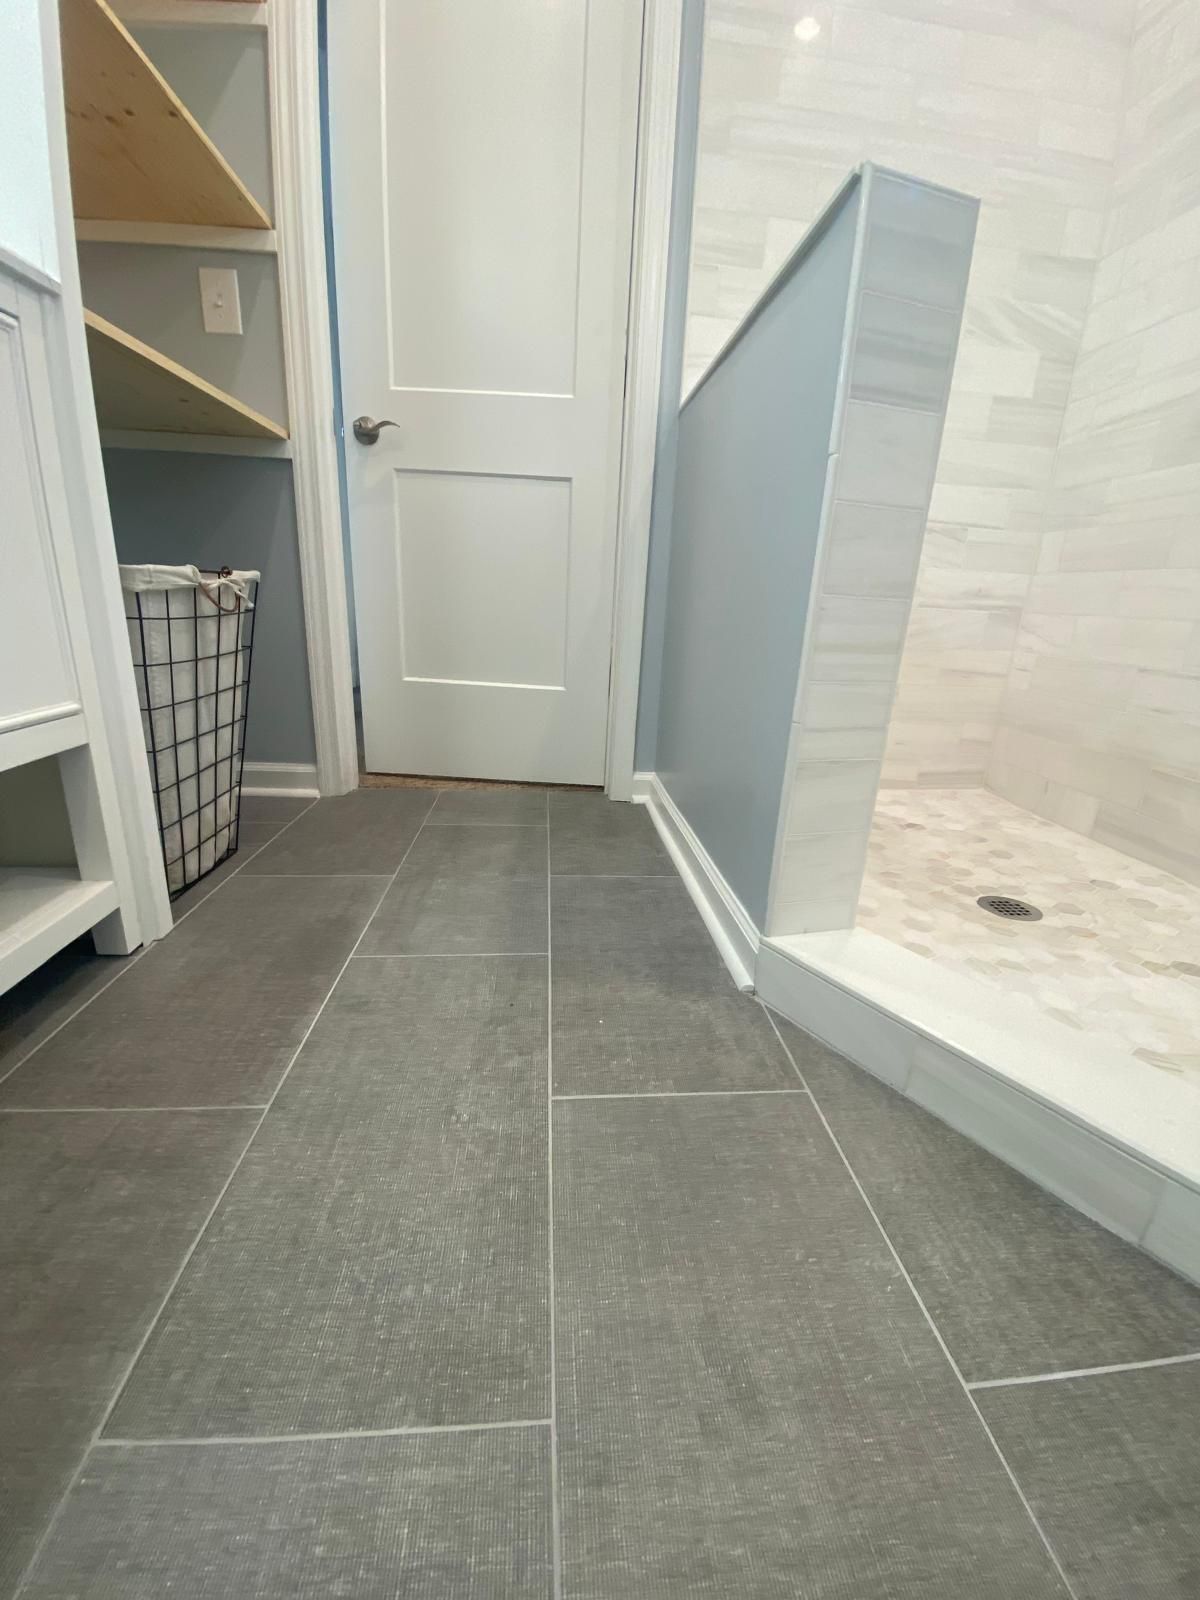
x: 299, y: 223
x: 661, y: 34
x: 305, y: 311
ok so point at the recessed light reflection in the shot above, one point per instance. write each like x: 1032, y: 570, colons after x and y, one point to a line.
x: 807, y: 29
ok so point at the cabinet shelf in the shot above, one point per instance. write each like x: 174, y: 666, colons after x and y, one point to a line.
x: 137, y: 154
x: 138, y: 387
x: 41, y: 910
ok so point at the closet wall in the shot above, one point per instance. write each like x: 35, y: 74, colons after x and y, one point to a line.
x: 214, y: 509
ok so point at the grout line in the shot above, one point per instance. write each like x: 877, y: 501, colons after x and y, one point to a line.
x: 472, y: 822
x: 445, y: 955
x: 1084, y: 1372
x: 75, y: 1111
x: 383, y: 873
x: 131, y: 961
x: 639, y: 877
x: 312, y: 1438
x: 925, y: 1312
x: 555, y: 1510
x: 195, y: 1244
x: 145, y: 949
x: 242, y: 865
x: 678, y: 1094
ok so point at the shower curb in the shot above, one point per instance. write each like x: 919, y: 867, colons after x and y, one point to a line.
x: 1138, y: 1199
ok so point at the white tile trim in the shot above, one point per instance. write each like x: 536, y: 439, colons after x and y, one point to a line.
x: 732, y: 928
x: 1084, y: 1372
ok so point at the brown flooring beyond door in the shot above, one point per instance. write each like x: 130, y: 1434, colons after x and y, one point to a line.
x: 429, y: 1216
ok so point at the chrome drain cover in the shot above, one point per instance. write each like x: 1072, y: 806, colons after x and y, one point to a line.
x: 1005, y: 905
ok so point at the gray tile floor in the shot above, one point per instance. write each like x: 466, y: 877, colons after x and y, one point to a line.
x: 429, y: 1216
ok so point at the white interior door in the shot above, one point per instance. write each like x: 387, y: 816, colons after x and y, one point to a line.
x: 483, y: 158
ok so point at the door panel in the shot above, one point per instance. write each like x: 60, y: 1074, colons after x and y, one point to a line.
x: 472, y: 90
x: 484, y: 562
x: 483, y: 158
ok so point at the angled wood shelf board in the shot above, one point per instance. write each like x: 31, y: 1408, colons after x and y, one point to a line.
x: 252, y: 241
x: 137, y: 387
x: 136, y: 152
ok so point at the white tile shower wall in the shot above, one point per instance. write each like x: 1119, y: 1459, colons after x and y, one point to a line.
x: 1100, y: 727
x: 1018, y: 103
x: 899, y: 360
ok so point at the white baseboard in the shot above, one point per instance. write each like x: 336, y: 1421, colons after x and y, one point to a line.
x: 1140, y: 1199
x: 727, y: 920
x: 280, y: 777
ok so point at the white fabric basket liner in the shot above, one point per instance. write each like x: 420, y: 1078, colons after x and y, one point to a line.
x: 192, y: 683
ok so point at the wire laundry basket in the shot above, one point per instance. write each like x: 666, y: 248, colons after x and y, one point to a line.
x: 192, y: 637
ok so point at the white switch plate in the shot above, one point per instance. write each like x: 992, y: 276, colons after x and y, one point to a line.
x: 220, y: 302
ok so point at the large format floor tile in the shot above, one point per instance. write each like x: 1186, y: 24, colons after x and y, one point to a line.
x: 252, y: 836
x: 97, y: 1212
x: 457, y: 1517
x: 366, y: 831
x: 276, y: 808
x: 750, y: 1402
x: 643, y: 1002
x: 39, y: 1005
x: 590, y: 833
x: 1111, y: 1466
x: 214, y: 1013
x: 526, y: 807
x: 472, y: 888
x: 381, y: 1258
x: 1018, y: 1282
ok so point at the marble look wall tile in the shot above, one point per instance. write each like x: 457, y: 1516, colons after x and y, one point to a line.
x: 903, y: 353
x: 842, y: 721
x: 873, y: 550
x: 888, y: 455
x: 831, y: 797
x: 1017, y: 103
x: 818, y: 883
x: 920, y: 253
x: 1174, y: 1232
x: 857, y: 640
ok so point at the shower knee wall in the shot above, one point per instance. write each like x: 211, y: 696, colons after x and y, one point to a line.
x: 805, y: 462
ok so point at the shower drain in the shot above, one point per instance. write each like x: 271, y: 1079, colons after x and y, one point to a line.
x: 1004, y: 905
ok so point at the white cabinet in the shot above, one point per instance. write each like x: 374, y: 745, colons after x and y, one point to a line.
x: 37, y: 675
x: 51, y: 706
x: 78, y: 843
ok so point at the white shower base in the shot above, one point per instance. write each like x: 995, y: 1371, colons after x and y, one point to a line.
x: 1116, y: 956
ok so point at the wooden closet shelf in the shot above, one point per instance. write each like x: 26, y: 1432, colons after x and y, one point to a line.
x: 138, y: 387
x: 137, y: 154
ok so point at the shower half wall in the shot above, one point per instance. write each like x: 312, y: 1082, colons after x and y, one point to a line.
x: 805, y: 460
x: 1050, y: 680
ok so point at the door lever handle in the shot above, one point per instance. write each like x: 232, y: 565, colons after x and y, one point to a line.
x: 366, y: 429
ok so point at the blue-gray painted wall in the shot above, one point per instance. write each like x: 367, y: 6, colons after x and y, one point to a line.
x: 178, y: 508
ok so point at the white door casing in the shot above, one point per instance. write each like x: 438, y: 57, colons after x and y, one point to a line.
x: 483, y: 162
